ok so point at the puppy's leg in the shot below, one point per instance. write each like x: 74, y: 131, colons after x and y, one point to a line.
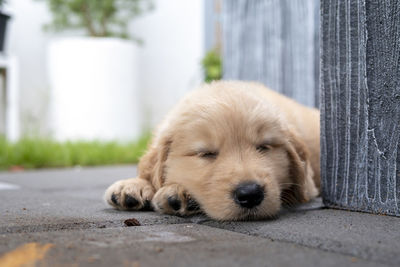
x: 173, y: 199
x: 130, y: 194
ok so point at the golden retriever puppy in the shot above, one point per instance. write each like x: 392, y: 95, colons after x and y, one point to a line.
x: 234, y: 150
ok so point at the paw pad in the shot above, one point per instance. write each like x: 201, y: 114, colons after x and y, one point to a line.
x: 130, y: 202
x: 130, y: 194
x: 174, y: 203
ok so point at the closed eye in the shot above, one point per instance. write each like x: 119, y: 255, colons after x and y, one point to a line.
x: 208, y: 154
x: 263, y: 148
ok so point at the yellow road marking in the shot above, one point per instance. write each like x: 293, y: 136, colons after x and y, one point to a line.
x: 25, y: 255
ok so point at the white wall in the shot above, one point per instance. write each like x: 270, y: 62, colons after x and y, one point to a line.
x: 169, y: 61
x: 27, y: 41
x: 171, y: 55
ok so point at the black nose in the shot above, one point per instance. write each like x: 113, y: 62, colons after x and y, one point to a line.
x: 248, y: 195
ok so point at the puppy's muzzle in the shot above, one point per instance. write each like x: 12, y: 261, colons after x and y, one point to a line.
x: 248, y: 195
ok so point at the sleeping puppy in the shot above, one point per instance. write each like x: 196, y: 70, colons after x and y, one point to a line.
x: 233, y: 150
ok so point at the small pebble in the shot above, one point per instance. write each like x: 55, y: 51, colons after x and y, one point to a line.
x: 132, y: 222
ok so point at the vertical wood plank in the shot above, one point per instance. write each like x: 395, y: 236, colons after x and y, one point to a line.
x: 360, y: 104
x: 274, y: 42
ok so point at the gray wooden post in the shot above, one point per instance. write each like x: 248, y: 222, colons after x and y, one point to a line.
x: 274, y: 42
x: 360, y: 104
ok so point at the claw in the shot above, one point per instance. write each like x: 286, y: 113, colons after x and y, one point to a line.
x: 192, y: 205
x: 114, y: 199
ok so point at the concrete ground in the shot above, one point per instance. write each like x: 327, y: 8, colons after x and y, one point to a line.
x: 58, y: 218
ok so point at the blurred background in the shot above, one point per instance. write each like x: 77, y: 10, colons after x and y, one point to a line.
x: 85, y: 81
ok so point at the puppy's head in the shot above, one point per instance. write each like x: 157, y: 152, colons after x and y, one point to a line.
x: 234, y: 154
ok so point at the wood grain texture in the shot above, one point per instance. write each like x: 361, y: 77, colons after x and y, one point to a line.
x: 274, y: 42
x: 360, y: 105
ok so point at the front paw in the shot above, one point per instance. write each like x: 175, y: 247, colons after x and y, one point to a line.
x: 173, y: 199
x: 130, y: 194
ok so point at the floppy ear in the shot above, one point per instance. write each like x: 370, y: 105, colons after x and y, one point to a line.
x: 152, y: 164
x: 301, y: 173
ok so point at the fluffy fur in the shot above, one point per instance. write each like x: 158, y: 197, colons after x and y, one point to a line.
x: 219, y: 136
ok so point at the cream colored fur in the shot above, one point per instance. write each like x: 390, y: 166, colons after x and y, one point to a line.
x: 232, y: 119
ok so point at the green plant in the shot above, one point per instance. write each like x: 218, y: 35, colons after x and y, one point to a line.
x: 212, y: 66
x: 31, y: 152
x: 100, y: 18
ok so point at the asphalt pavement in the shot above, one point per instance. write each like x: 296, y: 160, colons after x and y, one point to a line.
x: 58, y: 218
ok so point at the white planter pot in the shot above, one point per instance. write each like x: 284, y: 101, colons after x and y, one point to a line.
x: 94, y: 89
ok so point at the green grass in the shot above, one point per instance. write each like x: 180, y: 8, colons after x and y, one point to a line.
x: 32, y: 152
